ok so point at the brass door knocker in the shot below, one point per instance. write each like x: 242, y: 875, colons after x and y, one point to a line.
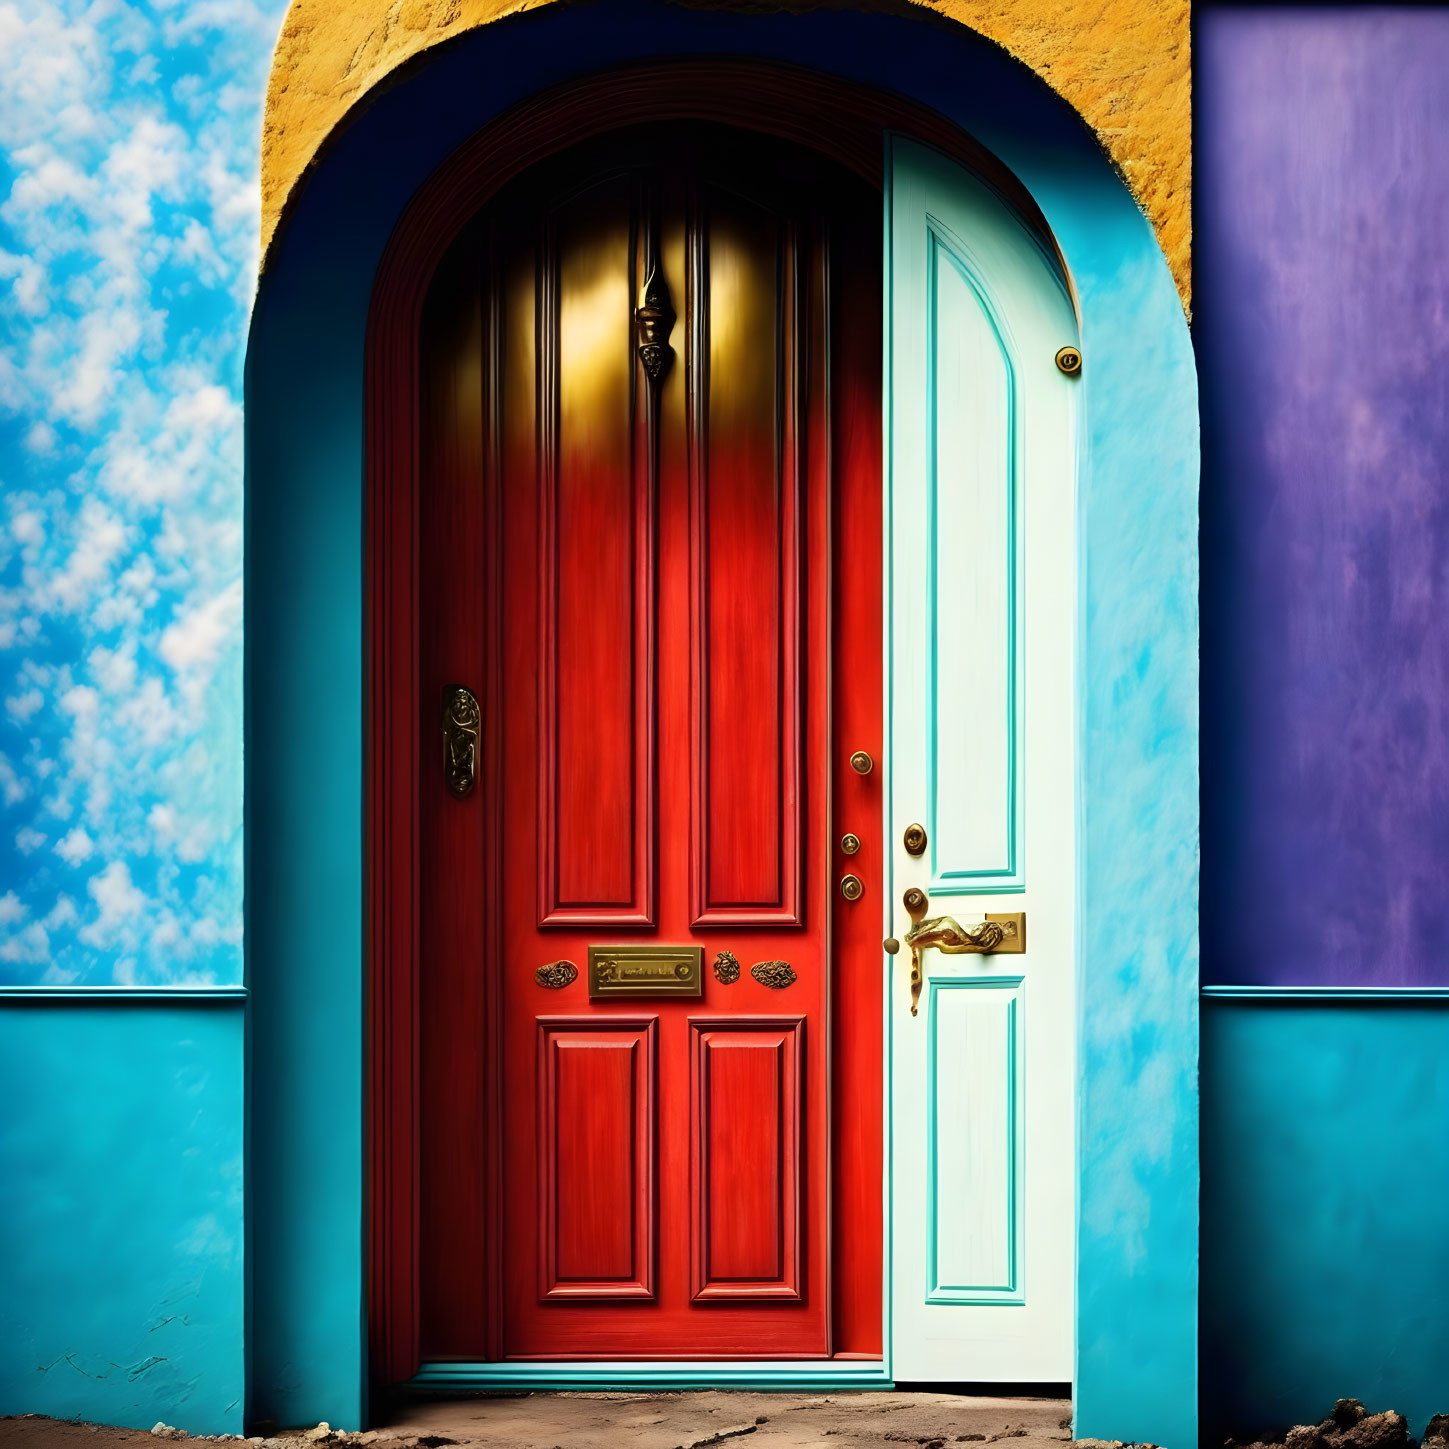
x: 462, y: 721
x: 653, y: 322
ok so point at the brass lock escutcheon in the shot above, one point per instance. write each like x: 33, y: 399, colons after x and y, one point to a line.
x: 462, y: 721
x: 914, y: 839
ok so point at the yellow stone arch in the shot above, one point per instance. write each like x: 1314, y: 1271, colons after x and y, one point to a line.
x: 1124, y: 65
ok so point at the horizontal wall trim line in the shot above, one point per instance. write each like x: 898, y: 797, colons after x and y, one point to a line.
x: 122, y: 995
x: 1305, y: 994
x: 713, y: 1373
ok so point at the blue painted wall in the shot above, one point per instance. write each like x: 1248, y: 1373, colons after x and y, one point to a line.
x: 121, y: 1253
x: 1137, y: 1285
x: 1325, y: 1133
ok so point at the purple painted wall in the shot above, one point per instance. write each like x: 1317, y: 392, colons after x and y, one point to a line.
x: 1322, y: 319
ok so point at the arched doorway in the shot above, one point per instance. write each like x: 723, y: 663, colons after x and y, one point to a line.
x: 667, y: 575
x: 309, y: 897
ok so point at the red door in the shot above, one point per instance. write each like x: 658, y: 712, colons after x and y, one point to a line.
x: 650, y: 1005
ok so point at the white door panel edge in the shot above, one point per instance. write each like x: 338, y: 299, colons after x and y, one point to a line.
x: 980, y: 702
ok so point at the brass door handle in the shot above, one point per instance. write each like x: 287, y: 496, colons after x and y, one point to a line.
x: 997, y: 933
x: 951, y: 938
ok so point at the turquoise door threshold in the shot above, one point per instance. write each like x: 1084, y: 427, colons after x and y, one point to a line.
x: 715, y: 1374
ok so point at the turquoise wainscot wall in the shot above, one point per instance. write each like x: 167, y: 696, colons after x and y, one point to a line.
x: 122, y: 1293
x: 1325, y: 1174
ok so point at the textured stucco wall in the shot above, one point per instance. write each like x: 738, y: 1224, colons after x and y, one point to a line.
x: 1322, y: 299
x: 121, y: 1235
x: 1322, y: 307
x: 1325, y: 1171
x: 1123, y: 64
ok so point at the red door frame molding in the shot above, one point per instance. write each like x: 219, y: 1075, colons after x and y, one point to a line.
x: 842, y: 121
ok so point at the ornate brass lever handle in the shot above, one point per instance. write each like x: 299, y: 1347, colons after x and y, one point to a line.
x: 950, y: 938
x: 1004, y: 933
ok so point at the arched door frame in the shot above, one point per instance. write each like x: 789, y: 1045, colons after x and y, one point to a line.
x: 310, y: 583
x: 847, y: 124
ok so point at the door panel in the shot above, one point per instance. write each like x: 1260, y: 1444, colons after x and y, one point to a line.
x: 974, y: 1140
x: 598, y: 1201
x: 748, y: 1129
x: 973, y: 781
x: 647, y: 605
x: 750, y: 422
x: 982, y: 597
x: 595, y: 574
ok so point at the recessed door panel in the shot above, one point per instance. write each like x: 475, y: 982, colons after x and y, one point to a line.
x: 595, y: 573
x: 749, y: 425
x: 975, y: 1210
x: 747, y: 1104
x: 598, y: 1199
x: 974, y: 701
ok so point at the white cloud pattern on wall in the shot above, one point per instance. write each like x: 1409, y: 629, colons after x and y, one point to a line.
x: 128, y: 155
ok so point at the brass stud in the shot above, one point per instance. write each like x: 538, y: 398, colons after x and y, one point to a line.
x: 852, y: 888
x: 1069, y: 359
x: 861, y: 763
x: 850, y: 843
x: 891, y: 945
x: 915, y: 839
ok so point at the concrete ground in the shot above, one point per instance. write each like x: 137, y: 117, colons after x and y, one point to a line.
x: 766, y: 1421
x: 642, y: 1421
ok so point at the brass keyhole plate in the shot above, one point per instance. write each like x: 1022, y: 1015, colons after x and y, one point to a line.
x: 915, y: 839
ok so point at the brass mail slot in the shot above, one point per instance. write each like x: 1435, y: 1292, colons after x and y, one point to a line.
x: 646, y: 971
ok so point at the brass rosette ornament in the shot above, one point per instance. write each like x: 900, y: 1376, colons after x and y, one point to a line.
x: 556, y: 975
x: 777, y: 975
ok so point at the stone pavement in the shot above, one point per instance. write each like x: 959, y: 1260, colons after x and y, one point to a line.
x: 749, y: 1420
x: 637, y: 1421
